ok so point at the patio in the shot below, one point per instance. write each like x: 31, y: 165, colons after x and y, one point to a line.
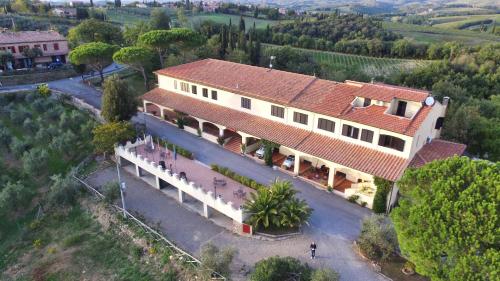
x: 221, y: 186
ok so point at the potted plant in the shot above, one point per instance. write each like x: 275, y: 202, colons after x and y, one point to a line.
x: 243, y: 148
x: 220, y: 140
x: 408, y: 268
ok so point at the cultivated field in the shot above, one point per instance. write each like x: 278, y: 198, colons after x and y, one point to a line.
x: 369, y: 66
x: 461, y: 22
x: 431, y: 34
x: 224, y: 18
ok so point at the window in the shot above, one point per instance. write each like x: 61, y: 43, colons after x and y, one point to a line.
x: 2, y: 48
x: 300, y: 118
x: 326, y: 125
x: 12, y: 49
x: 36, y: 46
x: 185, y: 87
x: 175, y: 84
x: 56, y: 46
x: 350, y: 131
x: 367, y: 102
x: 246, y: 103
x: 391, y: 142
x: 45, y: 47
x: 439, y: 123
x: 401, y: 108
x: 277, y: 111
x: 214, y: 95
x: 205, y: 92
x: 194, y: 90
x: 367, y: 135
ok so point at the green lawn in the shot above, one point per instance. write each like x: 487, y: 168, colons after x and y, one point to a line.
x: 430, y: 34
x: 369, y: 66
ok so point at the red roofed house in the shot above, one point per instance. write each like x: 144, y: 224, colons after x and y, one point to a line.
x: 342, y: 135
x: 53, y: 45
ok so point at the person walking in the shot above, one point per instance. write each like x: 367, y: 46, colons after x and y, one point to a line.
x: 313, y: 250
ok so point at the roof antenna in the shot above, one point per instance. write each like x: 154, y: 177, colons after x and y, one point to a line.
x: 271, y: 61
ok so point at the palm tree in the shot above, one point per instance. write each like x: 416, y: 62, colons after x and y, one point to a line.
x: 263, y: 209
x: 282, y: 190
x: 294, y: 213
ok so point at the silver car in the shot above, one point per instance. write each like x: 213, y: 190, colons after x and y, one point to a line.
x: 289, y: 161
x: 260, y: 152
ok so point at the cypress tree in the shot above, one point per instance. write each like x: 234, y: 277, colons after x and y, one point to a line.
x: 242, y: 24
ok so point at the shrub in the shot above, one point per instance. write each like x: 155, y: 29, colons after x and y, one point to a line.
x: 5, y: 138
x: 363, y: 204
x: 268, y: 155
x: 238, y: 178
x: 63, y: 190
x: 29, y: 125
x: 73, y: 240
x: 18, y: 146
x: 329, y: 188
x: 13, y: 196
x: 111, y: 191
x: 353, y: 198
x: 280, y: 268
x: 377, y: 240
x: 35, y: 160
x: 198, y: 131
x: 325, y: 274
x: 380, y: 199
x: 44, y: 90
x: 31, y: 97
x: 18, y: 116
x: 220, y: 140
x: 217, y: 260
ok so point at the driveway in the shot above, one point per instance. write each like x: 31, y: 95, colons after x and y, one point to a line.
x: 191, y: 231
x: 334, y: 224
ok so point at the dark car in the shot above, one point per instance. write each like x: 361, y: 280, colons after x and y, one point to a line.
x: 55, y: 65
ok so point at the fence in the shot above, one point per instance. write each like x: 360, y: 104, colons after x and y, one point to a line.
x: 158, y: 237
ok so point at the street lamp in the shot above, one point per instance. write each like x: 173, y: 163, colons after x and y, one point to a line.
x: 122, y: 186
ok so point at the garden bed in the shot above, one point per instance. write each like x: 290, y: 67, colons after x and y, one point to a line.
x: 36, y: 76
x: 246, y: 181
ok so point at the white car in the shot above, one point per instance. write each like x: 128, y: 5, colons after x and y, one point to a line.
x: 289, y: 161
x: 260, y: 152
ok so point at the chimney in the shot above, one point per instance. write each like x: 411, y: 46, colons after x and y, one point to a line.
x: 446, y: 101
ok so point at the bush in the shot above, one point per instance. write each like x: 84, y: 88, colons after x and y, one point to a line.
x: 280, y: 268
x: 29, y: 125
x: 377, y: 240
x: 44, y: 90
x: 380, y: 199
x: 13, y: 196
x: 63, y: 190
x: 220, y: 140
x: 73, y: 240
x: 182, y: 151
x: 18, y: 146
x: 216, y: 260
x: 239, y: 178
x: 111, y: 191
x: 353, y: 198
x: 35, y: 161
x: 325, y: 274
x: 5, y: 138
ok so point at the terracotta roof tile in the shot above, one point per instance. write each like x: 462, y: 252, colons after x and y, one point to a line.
x: 29, y: 37
x: 435, y: 150
x: 304, y: 92
x: 354, y: 156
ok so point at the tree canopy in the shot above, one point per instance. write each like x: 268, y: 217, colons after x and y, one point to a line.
x: 447, y: 221
x: 93, y: 30
x: 118, y: 103
x: 159, y: 19
x: 136, y: 58
x: 96, y: 55
x: 109, y: 134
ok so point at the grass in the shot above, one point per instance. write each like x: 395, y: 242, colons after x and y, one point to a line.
x: 369, y: 66
x: 134, y: 81
x: 457, y: 22
x: 430, y: 34
x: 224, y: 18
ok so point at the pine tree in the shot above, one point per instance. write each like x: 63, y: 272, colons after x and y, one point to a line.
x: 118, y: 103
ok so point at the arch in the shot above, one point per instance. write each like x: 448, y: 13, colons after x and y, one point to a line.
x: 210, y: 129
x: 152, y: 108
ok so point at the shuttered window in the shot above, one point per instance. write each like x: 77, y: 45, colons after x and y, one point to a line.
x: 205, y: 92
x: 185, y: 87
x: 367, y: 135
x: 300, y: 118
x: 246, y: 103
x: 350, y: 131
x: 326, y: 125
x: 391, y: 142
x: 277, y: 111
x: 194, y: 90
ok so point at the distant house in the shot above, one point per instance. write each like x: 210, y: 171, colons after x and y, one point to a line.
x: 64, y: 12
x: 141, y: 5
x: 53, y: 45
x: 282, y: 11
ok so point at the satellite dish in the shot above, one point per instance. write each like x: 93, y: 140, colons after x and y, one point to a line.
x: 429, y: 101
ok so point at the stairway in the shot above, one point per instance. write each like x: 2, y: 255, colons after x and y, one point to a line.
x: 234, y: 145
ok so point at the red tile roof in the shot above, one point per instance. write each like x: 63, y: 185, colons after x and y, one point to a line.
x: 305, y: 92
x: 435, y: 150
x: 8, y: 37
x: 354, y: 156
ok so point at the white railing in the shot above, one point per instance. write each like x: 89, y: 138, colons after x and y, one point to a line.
x: 191, y: 188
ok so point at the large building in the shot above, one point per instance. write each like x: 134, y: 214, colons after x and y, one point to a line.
x: 338, y: 135
x: 53, y: 45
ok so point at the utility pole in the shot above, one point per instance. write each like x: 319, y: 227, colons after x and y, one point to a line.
x: 122, y: 186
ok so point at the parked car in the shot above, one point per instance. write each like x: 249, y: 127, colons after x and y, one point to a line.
x: 289, y: 161
x: 55, y: 65
x: 260, y: 152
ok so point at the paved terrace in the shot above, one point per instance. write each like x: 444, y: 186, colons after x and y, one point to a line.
x: 196, y: 172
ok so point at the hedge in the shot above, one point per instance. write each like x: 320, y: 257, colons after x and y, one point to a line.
x: 239, y: 178
x: 184, y: 152
x: 380, y: 199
